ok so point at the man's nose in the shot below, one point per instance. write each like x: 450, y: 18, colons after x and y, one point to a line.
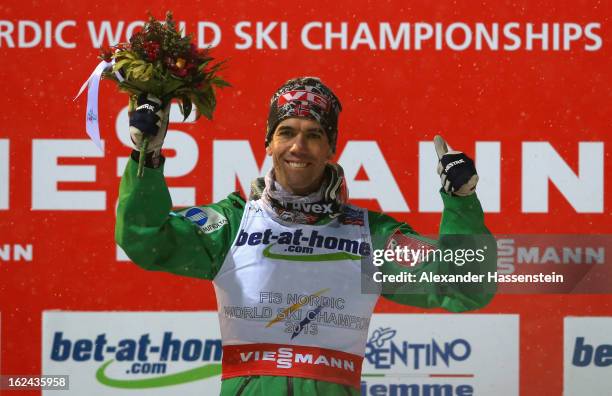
x: 299, y: 142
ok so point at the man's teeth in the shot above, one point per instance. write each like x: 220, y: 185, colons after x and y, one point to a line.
x: 297, y: 164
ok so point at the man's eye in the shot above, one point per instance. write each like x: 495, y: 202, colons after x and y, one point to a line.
x: 315, y: 135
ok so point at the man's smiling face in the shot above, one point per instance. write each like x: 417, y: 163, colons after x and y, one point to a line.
x: 300, y: 150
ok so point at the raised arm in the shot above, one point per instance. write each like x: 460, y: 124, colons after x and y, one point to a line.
x: 192, y: 242
x: 462, y: 228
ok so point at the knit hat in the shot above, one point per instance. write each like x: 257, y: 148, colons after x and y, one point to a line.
x: 305, y: 97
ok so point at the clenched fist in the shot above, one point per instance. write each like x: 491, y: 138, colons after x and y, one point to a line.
x: 150, y: 119
x: 457, y: 171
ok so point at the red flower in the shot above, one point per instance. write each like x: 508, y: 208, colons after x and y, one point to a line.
x: 180, y: 72
x: 106, y: 54
x: 152, y: 50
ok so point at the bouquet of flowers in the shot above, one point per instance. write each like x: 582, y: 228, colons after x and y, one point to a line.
x: 159, y: 61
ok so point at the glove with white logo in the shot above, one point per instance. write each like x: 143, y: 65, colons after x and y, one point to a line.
x: 457, y: 171
x: 150, y: 119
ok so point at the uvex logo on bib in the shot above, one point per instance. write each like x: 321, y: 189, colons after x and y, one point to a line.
x: 309, y: 207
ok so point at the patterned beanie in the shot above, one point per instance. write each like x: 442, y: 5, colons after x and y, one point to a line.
x: 305, y: 97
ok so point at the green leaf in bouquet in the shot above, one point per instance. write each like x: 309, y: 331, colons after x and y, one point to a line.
x: 119, y: 64
x: 159, y: 73
x: 185, y: 106
x: 201, y: 108
x: 147, y: 73
x: 137, y: 87
x: 125, y: 54
x: 133, y: 102
x: 136, y: 69
x: 205, y: 102
x: 202, y: 65
x: 216, y: 67
x: 171, y: 85
x: 127, y: 90
x: 212, y: 100
x: 169, y: 20
x: 136, y: 72
x: 220, y: 82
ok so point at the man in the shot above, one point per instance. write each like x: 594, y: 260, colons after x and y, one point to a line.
x: 288, y: 263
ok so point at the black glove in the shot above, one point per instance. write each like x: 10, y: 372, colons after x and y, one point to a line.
x: 150, y: 119
x: 457, y: 171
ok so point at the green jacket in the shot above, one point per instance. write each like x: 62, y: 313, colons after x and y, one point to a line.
x: 157, y: 239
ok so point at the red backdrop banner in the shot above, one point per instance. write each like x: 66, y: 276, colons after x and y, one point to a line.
x: 523, y: 87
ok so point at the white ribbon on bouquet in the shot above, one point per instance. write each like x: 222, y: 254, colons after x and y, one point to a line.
x: 93, y: 85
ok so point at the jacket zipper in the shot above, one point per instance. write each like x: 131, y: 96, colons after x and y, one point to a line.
x: 244, y: 385
x: 289, y: 386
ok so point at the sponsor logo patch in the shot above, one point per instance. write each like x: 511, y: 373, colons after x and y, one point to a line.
x: 207, y: 219
x: 442, y: 355
x: 144, y: 353
x: 587, y: 355
x: 311, y: 246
